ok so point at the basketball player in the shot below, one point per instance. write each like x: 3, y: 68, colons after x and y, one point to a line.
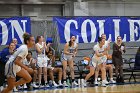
x: 31, y: 63
x: 52, y: 69
x: 70, y: 50
x: 42, y: 59
x: 107, y: 66
x: 100, y: 58
x: 14, y: 65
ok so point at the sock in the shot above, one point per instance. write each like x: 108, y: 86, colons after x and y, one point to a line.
x: 59, y: 81
x: 95, y: 79
x: 103, y: 80
x: 53, y: 82
x: 46, y: 82
x: 111, y: 78
x: 34, y: 82
x: 64, y: 80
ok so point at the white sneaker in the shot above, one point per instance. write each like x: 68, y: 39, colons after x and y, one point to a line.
x: 47, y: 86
x: 15, y: 89
x: 41, y: 86
x: 84, y: 84
x: 60, y: 84
x: 112, y: 81
x: 65, y: 84
x: 24, y: 86
x: 34, y: 85
x: 106, y: 82
x: 96, y: 83
x: 103, y: 84
x: 54, y: 84
x: 74, y: 83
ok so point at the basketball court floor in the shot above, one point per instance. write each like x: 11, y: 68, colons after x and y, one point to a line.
x: 127, y: 88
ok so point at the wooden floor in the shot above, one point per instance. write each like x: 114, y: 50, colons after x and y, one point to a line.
x: 129, y: 88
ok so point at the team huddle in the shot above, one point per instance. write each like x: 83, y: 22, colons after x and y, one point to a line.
x: 31, y: 70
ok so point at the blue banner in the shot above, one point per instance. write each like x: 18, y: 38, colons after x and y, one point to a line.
x: 13, y: 28
x: 87, y: 29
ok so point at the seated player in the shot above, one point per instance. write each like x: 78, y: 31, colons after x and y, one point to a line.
x: 52, y: 69
x: 31, y: 63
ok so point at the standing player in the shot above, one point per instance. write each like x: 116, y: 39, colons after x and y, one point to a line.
x: 14, y: 65
x: 100, y: 58
x: 42, y: 59
x: 70, y: 50
x: 107, y: 66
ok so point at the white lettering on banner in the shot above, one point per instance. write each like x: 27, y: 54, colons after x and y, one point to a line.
x: 67, y: 29
x: 116, y: 27
x: 15, y: 25
x: 4, y: 33
x: 133, y: 30
x: 89, y: 24
x: 101, y: 26
x: 93, y: 31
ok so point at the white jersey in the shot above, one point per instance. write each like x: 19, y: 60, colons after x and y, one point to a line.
x: 71, y: 49
x: 11, y: 68
x: 98, y: 60
x: 41, y: 46
x: 42, y: 59
x: 97, y: 48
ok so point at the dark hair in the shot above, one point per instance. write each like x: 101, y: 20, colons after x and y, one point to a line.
x: 26, y: 37
x: 118, y: 37
x: 11, y: 43
x: 70, y: 43
x: 99, y: 39
x: 30, y: 52
x: 37, y: 39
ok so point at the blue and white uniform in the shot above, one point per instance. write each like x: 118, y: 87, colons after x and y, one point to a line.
x: 11, y: 68
x: 67, y: 57
x: 98, y: 60
x: 42, y: 59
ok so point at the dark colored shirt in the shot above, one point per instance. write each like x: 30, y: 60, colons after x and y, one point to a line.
x: 4, y: 55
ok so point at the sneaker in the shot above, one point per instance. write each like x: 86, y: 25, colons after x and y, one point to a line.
x: 74, y: 83
x: 65, y: 84
x: 112, y: 81
x: 15, y: 89
x: 96, y: 83
x: 54, y: 84
x: 84, y: 84
x: 24, y: 86
x: 60, y: 84
x: 106, y: 82
x: 47, y: 86
x: 34, y: 85
x: 103, y: 84
x: 40, y: 86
